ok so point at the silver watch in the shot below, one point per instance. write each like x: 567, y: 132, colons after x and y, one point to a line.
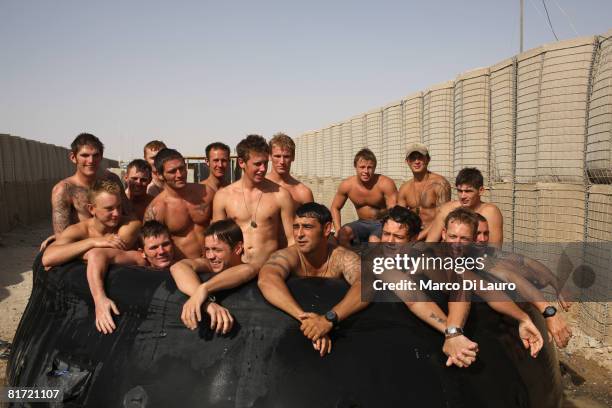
x: 453, y: 331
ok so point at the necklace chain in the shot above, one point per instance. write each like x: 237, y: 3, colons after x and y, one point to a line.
x: 254, y: 216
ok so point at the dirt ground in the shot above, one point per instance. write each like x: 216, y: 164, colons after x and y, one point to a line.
x: 17, y: 251
x: 587, y: 385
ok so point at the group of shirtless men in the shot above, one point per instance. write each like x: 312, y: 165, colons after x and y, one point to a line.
x: 268, y: 226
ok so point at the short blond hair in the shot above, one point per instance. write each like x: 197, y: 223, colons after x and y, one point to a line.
x: 154, y: 146
x: 283, y: 141
x: 103, y: 186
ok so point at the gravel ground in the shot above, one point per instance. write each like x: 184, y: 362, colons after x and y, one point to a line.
x: 587, y: 385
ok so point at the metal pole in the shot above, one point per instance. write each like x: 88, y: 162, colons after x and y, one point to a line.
x: 521, y: 28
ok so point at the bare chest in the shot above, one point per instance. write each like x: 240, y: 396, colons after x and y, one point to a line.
x: 422, y: 195
x: 361, y: 196
x: 181, y: 214
x: 261, y: 209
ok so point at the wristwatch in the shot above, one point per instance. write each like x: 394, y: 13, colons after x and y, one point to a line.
x: 549, y: 311
x: 332, y: 317
x: 453, y: 331
x: 211, y: 299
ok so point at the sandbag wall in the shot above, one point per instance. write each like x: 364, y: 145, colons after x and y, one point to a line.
x: 539, y: 127
x: 28, y: 172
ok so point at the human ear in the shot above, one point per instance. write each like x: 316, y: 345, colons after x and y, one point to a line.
x: 327, y: 229
x: 239, y: 248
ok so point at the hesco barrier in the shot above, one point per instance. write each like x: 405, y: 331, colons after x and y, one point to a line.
x: 539, y: 127
x: 381, y: 357
x: 28, y: 172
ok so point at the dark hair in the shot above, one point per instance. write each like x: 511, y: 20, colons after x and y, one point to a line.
x: 470, y: 176
x: 163, y: 156
x: 140, y: 165
x: 225, y: 230
x: 152, y: 228
x: 463, y: 215
x: 217, y: 146
x: 314, y: 210
x: 365, y: 154
x: 406, y: 217
x: 154, y: 145
x: 252, y: 143
x: 481, y: 218
x: 86, y: 139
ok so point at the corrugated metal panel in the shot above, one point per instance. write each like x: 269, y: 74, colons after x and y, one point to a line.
x: 563, y: 108
x: 472, y: 121
x: 438, y: 127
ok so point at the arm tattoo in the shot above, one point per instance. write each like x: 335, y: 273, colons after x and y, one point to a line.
x: 437, y: 318
x: 351, y: 265
x: 443, y: 193
x: 280, y: 261
x: 150, y: 214
x: 61, y: 210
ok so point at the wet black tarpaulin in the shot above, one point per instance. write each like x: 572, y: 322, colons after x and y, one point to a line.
x: 382, y: 357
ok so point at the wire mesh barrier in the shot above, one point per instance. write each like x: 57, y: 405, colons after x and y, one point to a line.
x: 412, y: 122
x: 539, y: 127
x: 562, y: 102
x: 336, y: 149
x: 472, y: 121
x: 357, y: 134
x: 595, y: 317
x: 599, y: 132
x: 438, y: 127
x: 346, y: 151
x: 502, y: 124
x: 373, y: 133
x: 392, y: 160
x: 529, y: 75
x: 325, y: 149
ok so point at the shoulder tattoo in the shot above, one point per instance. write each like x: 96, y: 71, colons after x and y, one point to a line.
x: 280, y: 261
x: 150, y: 213
x: 61, y: 208
x: 351, y: 266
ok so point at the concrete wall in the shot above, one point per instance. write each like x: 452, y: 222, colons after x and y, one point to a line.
x: 28, y: 172
x: 539, y: 127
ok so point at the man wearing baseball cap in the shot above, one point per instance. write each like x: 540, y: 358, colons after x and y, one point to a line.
x: 426, y: 191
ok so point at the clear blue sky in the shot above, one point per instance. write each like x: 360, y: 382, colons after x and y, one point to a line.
x: 192, y: 72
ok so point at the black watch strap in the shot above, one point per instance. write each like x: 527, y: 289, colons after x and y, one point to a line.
x: 332, y: 317
x: 549, y: 311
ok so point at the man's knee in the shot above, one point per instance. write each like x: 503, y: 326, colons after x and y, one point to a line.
x: 345, y: 235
